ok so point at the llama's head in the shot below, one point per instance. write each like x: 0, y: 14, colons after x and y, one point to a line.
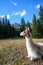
x: 25, y: 33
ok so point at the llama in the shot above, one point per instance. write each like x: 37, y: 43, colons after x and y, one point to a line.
x: 35, y: 51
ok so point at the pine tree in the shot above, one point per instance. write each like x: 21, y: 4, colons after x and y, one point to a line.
x: 41, y: 19
x: 0, y: 29
x: 12, y: 32
x: 8, y: 28
x: 41, y: 14
x: 38, y: 29
x: 22, y: 24
x: 34, y: 32
x: 3, y: 28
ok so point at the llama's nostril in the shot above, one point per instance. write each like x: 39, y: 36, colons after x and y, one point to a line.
x: 21, y: 34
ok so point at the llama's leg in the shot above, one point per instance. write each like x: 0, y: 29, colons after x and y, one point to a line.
x: 28, y: 56
x: 35, y: 58
x: 27, y: 51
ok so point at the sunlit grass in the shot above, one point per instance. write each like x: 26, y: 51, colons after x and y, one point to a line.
x: 13, y: 52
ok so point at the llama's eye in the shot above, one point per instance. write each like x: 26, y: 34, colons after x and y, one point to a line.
x: 24, y: 32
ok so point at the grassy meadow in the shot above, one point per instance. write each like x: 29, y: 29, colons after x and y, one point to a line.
x: 13, y: 52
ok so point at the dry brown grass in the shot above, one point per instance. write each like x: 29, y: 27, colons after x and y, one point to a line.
x: 13, y: 52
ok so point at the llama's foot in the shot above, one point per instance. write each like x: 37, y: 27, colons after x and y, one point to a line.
x: 34, y: 59
x: 31, y: 59
x: 28, y: 56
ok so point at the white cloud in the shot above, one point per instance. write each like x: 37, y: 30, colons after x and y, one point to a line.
x: 8, y: 16
x: 17, y: 13
x: 21, y: 13
x: 2, y: 16
x: 38, y: 6
x: 14, y: 3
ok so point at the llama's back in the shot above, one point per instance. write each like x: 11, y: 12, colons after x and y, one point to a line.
x: 39, y: 47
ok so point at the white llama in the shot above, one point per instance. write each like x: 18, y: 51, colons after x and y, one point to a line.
x: 35, y: 51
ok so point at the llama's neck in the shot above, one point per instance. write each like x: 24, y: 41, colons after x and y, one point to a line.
x: 29, y: 40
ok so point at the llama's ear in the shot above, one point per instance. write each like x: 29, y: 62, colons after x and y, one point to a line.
x: 28, y: 28
x: 25, y: 27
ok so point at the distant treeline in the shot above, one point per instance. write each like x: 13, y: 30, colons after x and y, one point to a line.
x: 6, y: 30
x: 9, y: 31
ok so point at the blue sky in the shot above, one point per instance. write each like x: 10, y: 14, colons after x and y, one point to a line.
x: 16, y: 9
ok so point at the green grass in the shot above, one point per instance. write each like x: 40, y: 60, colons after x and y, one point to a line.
x: 13, y: 52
